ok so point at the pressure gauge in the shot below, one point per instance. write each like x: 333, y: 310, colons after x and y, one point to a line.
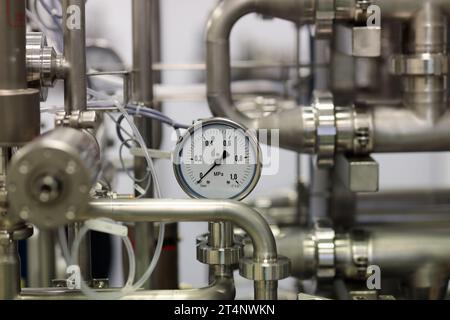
x: 217, y: 159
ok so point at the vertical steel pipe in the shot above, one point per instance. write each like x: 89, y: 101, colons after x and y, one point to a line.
x: 426, y: 94
x: 12, y: 37
x: 198, y: 210
x: 289, y: 123
x: 142, y: 93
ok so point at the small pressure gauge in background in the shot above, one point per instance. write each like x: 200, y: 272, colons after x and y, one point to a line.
x: 217, y: 159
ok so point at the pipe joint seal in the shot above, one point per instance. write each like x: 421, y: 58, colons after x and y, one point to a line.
x: 266, y: 270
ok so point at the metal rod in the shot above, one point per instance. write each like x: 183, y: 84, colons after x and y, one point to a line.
x: 75, y: 84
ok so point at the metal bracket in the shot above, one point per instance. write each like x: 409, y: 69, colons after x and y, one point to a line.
x: 358, y: 174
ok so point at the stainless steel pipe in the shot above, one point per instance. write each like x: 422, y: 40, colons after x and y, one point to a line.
x: 9, y: 269
x: 397, y: 129
x: 405, y: 9
x: 423, y: 122
x: 196, y: 210
x: 12, y: 38
x: 416, y: 255
x: 75, y: 84
x: 290, y: 123
x: 19, y: 106
x: 222, y: 289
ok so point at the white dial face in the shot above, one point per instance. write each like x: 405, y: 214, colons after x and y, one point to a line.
x: 218, y: 160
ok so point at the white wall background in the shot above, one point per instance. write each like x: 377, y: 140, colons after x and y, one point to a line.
x: 183, y: 24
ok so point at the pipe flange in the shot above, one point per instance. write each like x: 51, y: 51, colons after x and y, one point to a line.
x: 326, y: 128
x: 266, y: 270
x: 420, y: 65
x: 360, y: 253
x: 325, y: 250
x: 325, y: 16
x: 219, y: 256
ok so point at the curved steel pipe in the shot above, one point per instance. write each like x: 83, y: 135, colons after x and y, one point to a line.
x: 290, y: 123
x: 222, y: 289
x: 146, y: 210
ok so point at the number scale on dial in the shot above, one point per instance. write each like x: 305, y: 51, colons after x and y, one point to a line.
x: 218, y: 161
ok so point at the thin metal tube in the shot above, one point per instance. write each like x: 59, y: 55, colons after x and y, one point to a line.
x: 266, y: 290
x: 74, y: 25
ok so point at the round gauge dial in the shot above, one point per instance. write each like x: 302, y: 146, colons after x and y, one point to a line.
x: 217, y: 159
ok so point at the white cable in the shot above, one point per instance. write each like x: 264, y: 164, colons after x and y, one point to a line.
x: 92, y: 294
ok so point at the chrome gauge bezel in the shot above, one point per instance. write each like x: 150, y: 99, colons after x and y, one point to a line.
x: 224, y: 122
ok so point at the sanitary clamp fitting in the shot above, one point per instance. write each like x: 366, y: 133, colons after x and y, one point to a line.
x: 426, y: 64
x: 325, y: 16
x: 266, y: 270
x: 218, y: 256
x: 44, y: 65
x: 324, y: 237
x: 326, y: 131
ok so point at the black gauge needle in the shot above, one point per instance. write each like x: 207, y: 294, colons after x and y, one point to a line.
x: 216, y: 164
